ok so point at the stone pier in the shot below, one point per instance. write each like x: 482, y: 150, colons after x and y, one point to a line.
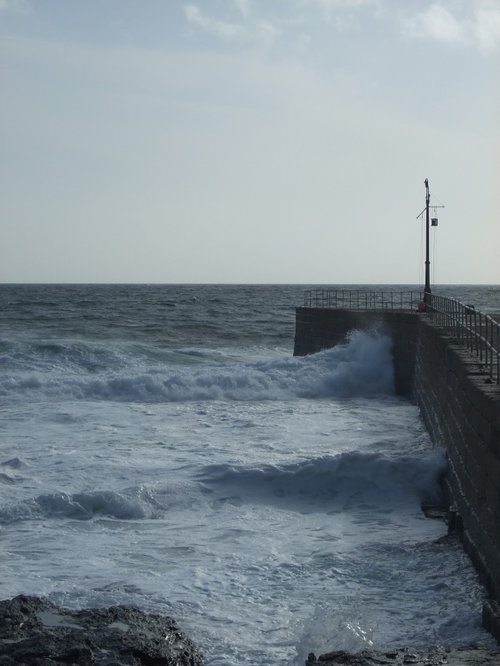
x: 460, y: 406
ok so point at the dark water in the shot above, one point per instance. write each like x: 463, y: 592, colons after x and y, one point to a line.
x: 202, y: 311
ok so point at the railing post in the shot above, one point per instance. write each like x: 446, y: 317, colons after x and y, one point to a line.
x: 479, y: 349
x: 498, y: 353
x: 470, y: 329
x: 492, y: 326
x: 489, y: 347
x: 470, y: 336
x: 479, y: 334
x: 474, y: 332
x: 464, y: 326
x: 492, y: 367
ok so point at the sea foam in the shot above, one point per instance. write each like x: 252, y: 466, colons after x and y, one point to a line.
x: 360, y: 367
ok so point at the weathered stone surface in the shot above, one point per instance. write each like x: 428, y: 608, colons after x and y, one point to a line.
x: 436, y: 656
x: 33, y: 631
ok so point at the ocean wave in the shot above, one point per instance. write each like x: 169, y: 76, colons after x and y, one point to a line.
x: 9, y: 471
x: 14, y: 463
x: 49, y: 356
x: 345, y: 480
x: 78, y: 506
x: 361, y: 367
x: 136, y: 503
x: 350, y: 480
x: 6, y: 479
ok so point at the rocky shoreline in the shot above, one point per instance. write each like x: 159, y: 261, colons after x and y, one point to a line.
x: 436, y: 656
x: 36, y: 632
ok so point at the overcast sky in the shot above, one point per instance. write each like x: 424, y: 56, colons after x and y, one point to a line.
x: 248, y: 140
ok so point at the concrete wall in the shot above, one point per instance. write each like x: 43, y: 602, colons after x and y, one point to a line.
x: 461, y: 412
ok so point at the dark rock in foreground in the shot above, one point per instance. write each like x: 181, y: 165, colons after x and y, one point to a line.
x: 438, y: 656
x: 34, y: 631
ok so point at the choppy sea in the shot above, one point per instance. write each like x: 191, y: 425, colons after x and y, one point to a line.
x: 161, y: 446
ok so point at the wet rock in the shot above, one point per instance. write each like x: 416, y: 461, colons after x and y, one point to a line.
x: 34, y: 631
x: 436, y: 656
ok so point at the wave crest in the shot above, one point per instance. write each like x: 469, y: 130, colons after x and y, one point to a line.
x: 361, y: 367
x: 79, y: 506
x: 344, y: 479
x: 136, y: 503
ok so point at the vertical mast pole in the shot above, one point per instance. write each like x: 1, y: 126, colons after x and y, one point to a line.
x: 427, y: 288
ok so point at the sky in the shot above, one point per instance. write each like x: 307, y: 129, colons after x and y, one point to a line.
x: 249, y: 141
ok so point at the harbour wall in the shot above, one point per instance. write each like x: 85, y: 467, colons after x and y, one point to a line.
x: 460, y: 409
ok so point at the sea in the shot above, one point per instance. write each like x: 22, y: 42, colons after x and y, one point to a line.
x: 162, y: 447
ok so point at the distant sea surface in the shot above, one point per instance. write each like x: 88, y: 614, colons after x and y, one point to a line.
x: 161, y: 446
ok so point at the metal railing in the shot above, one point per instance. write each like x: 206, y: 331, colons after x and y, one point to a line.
x: 349, y: 299
x: 477, y: 331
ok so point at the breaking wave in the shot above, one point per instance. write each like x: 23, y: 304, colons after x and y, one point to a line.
x: 361, y: 367
x: 141, y: 502
x: 343, y: 479
x: 341, y: 482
